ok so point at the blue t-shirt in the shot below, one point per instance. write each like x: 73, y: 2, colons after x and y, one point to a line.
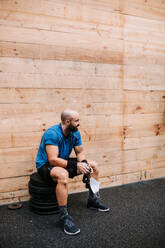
x: 54, y: 136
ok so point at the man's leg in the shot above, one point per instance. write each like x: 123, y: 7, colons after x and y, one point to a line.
x: 60, y: 175
x: 94, y: 201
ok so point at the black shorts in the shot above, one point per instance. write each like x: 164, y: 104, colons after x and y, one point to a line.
x: 45, y: 170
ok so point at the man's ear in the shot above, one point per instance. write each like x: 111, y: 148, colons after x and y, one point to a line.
x: 67, y: 122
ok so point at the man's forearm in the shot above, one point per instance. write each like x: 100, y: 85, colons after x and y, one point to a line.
x: 80, y: 157
x: 58, y: 162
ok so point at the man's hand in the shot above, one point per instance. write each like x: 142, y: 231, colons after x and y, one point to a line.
x: 83, y: 168
x: 92, y: 163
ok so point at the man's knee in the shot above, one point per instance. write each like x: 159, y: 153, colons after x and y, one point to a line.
x: 60, y: 175
x: 95, y: 169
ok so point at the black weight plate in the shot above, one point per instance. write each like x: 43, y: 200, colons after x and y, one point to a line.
x: 43, y: 203
x: 45, y: 208
x: 42, y: 190
x: 35, y: 179
x: 42, y: 197
x: 43, y: 212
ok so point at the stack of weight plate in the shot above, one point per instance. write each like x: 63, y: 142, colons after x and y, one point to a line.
x: 43, y: 198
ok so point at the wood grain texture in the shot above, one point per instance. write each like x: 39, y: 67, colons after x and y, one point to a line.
x: 106, y: 59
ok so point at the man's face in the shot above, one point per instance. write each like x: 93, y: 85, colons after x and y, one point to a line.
x: 74, y: 124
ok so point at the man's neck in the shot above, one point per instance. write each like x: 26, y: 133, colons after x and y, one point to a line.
x: 65, y: 130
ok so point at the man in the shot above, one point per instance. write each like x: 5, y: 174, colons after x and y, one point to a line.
x: 53, y: 164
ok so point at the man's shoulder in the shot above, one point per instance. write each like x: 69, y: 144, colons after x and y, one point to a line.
x: 53, y: 130
x: 76, y: 134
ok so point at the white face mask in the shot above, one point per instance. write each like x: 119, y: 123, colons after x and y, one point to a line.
x: 94, y: 185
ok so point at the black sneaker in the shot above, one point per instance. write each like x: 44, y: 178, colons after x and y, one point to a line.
x: 97, y: 204
x: 69, y: 227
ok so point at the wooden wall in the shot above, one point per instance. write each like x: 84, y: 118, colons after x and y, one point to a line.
x: 106, y: 59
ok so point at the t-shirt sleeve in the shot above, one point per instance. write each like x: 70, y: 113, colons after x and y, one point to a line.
x: 51, y: 138
x: 78, y: 139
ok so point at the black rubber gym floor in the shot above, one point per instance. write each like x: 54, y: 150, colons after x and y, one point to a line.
x: 136, y: 220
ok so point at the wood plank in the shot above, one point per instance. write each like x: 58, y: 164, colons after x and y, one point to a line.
x: 11, y: 110
x: 135, y: 78
x: 20, y: 139
x: 140, y: 119
x: 15, y: 194
x: 143, y: 9
x: 110, y: 162
x: 28, y: 123
x: 95, y: 12
x: 57, y: 52
x: 25, y: 139
x: 58, y: 68
x: 17, y: 169
x: 111, y: 158
x: 152, y: 3
x: 13, y: 184
x: 131, y: 82
x: 110, y: 181
x: 21, y: 95
x: 127, y: 167
x: 147, y: 72
x: 137, y: 53
x: 132, y: 177
x: 134, y: 143
x: 85, y: 75
x: 151, y: 96
x: 143, y: 130
x: 22, y: 80
x: 23, y: 154
x: 157, y: 164
x: 149, y: 77
x: 143, y: 30
x: 29, y: 139
x: 44, y: 37
x: 86, y: 96
x: 52, y: 23
x: 87, y: 108
x: 157, y: 173
x: 144, y: 24
x: 89, y: 10
x: 108, y: 108
x: 13, y: 200
x: 37, y: 121
x: 16, y: 135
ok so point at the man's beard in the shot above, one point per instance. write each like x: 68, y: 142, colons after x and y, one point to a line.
x: 71, y: 128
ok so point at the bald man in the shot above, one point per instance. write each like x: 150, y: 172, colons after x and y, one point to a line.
x: 54, y: 165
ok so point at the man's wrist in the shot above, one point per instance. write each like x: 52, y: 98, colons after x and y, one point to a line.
x: 71, y: 163
x: 84, y: 161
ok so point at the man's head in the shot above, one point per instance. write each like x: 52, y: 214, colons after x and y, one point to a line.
x: 70, y: 119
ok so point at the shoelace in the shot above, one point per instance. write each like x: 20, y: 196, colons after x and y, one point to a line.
x: 69, y: 221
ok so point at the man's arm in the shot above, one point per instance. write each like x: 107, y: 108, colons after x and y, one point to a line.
x: 82, y: 166
x: 52, y: 152
x: 79, y: 153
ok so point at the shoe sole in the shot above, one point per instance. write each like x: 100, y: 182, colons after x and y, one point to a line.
x: 71, y: 233
x: 99, y: 209
x: 105, y: 210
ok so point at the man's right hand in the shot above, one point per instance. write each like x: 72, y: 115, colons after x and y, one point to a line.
x: 83, y: 168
